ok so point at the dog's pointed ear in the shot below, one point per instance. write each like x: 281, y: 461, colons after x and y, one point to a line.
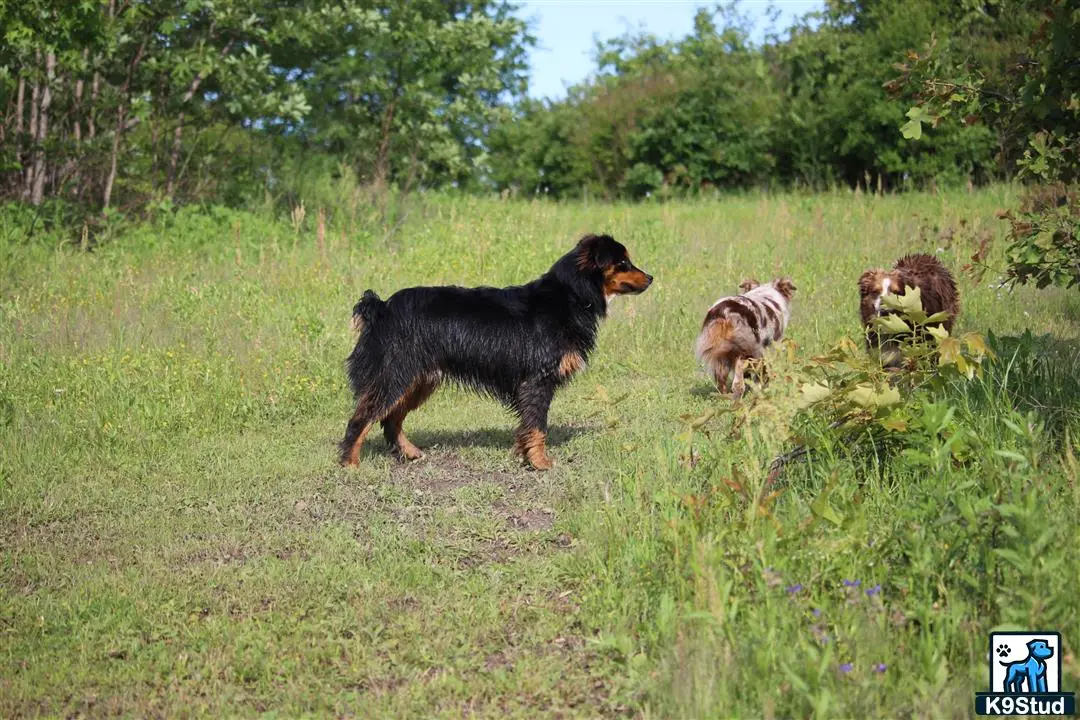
x: 748, y: 284
x: 785, y: 287
x: 868, y: 281
x: 586, y: 252
x: 593, y: 251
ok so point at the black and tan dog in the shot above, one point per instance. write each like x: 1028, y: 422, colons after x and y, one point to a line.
x: 518, y: 344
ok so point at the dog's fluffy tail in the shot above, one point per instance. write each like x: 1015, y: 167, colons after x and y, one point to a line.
x: 719, y: 344
x: 367, y: 310
x: 717, y: 338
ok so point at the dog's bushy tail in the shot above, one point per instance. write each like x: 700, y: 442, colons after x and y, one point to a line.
x: 720, y: 343
x: 716, y: 338
x: 367, y: 311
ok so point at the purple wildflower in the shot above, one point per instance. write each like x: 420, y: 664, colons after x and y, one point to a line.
x: 845, y: 668
x: 852, y: 583
x: 792, y: 589
x: 880, y: 667
x: 817, y: 612
x: 873, y: 591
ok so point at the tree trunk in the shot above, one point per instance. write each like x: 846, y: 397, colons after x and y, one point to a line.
x: 121, y: 108
x: 174, y: 156
x: 73, y: 167
x: 37, y: 193
x: 20, y: 95
x: 382, y: 159
x: 77, y: 125
x: 95, y: 90
x: 28, y: 178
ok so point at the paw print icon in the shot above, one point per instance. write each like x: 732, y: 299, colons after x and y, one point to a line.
x: 1002, y: 650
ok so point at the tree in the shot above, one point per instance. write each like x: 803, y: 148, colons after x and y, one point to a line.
x: 1034, y: 105
x: 136, y: 100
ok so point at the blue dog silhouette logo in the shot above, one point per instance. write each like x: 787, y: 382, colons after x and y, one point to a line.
x: 1029, y: 674
x: 1025, y: 676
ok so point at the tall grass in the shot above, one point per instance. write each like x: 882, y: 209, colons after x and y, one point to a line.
x: 177, y: 537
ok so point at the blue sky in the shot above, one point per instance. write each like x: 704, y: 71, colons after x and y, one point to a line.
x: 565, y: 30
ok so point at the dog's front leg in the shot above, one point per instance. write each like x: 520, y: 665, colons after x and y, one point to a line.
x: 1033, y: 679
x: 533, y: 400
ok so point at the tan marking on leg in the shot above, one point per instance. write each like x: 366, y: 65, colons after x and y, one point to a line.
x: 532, y: 443
x: 413, y: 398
x: 351, y: 456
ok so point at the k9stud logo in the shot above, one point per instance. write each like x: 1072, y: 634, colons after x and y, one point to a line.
x: 1025, y: 676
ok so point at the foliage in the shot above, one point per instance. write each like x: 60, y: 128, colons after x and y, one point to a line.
x: 1044, y: 239
x: 851, y: 399
x: 1035, y: 105
x: 111, y: 101
x: 714, y: 110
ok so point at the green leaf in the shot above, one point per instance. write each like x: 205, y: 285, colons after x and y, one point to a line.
x: 911, y: 303
x: 949, y: 351
x: 976, y: 344
x: 918, y: 113
x: 938, y: 332
x: 811, y: 393
x: 892, y: 324
x: 894, y: 423
x: 867, y: 396
x: 911, y: 130
x: 822, y: 509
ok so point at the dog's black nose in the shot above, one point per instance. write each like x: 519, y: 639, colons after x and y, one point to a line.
x: 648, y: 279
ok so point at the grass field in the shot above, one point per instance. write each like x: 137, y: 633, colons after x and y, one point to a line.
x: 176, y: 538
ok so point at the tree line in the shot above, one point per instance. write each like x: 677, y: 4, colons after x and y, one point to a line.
x: 820, y: 106
x: 133, y: 103
x: 140, y: 101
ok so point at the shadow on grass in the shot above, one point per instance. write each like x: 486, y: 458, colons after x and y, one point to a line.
x: 498, y: 438
x: 705, y: 390
x: 1039, y: 373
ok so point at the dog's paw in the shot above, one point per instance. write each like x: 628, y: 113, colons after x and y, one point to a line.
x: 541, y: 462
x: 407, y: 453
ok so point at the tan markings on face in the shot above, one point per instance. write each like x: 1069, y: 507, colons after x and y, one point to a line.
x: 620, y: 282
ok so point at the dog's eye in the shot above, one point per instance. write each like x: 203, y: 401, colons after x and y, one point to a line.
x: 623, y: 265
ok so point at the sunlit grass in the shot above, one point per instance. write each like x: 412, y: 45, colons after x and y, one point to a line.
x: 176, y: 535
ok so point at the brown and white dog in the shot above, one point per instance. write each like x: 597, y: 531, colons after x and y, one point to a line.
x: 925, y: 272
x: 737, y: 329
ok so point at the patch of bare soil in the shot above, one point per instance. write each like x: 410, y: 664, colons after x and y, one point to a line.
x: 440, y: 474
x: 531, y: 520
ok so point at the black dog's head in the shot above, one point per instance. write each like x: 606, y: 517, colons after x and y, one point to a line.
x: 603, y: 256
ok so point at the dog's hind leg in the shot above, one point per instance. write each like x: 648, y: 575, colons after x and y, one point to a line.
x: 382, y: 396
x: 721, y: 371
x: 413, y: 398
x: 359, y: 425
x: 738, y: 382
x: 532, y: 403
